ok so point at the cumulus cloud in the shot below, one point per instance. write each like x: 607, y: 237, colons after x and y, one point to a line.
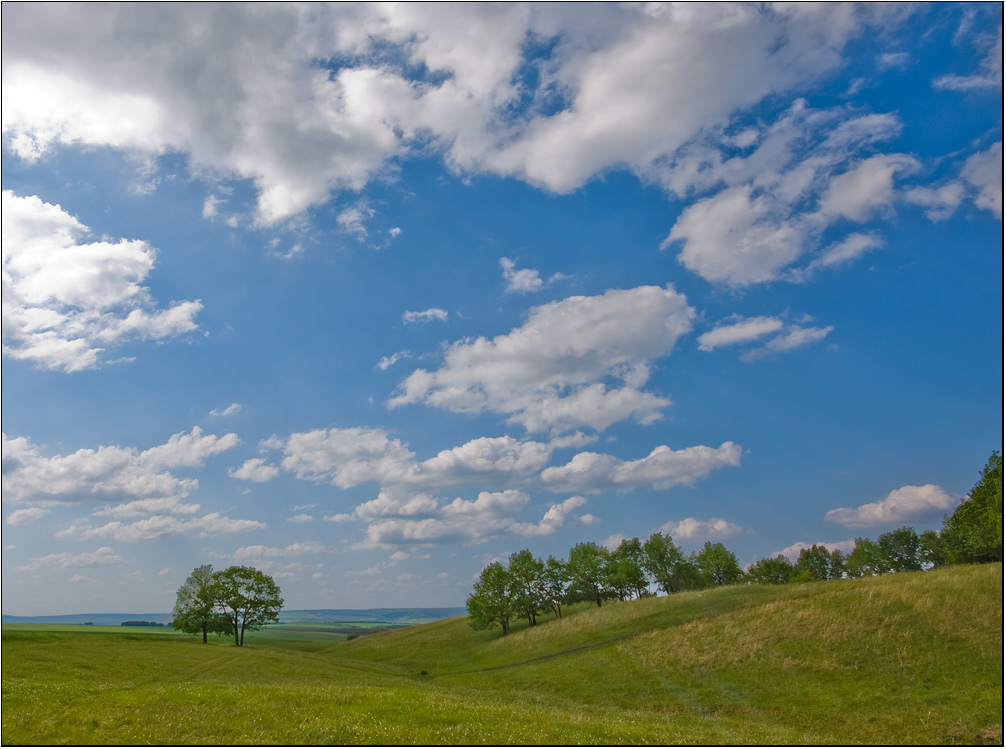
x: 714, y: 529
x: 806, y: 172
x: 404, y: 519
x: 388, y: 361
x: 520, y: 281
x: 794, y: 337
x: 246, y: 553
x: 122, y: 474
x: 103, y: 557
x: 254, y: 469
x: 231, y: 410
x: 347, y: 100
x: 576, y: 362
x: 661, y: 469
x: 67, y: 301
x: 900, y: 506
x: 156, y: 526
x: 984, y: 173
x: 26, y: 516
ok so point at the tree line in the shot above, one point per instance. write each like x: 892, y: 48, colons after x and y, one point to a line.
x: 528, y: 586
x: 227, y: 602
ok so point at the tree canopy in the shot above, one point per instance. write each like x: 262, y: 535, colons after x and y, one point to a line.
x: 974, y: 533
x: 233, y: 600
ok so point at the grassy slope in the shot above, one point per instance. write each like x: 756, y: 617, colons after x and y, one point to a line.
x: 906, y: 659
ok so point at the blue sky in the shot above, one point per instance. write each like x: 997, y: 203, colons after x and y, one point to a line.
x: 370, y: 296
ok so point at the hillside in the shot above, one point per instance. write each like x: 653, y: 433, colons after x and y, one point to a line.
x: 878, y: 660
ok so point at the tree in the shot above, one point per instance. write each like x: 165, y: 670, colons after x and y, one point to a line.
x: 776, y: 570
x: 555, y: 578
x: 717, y: 566
x: 587, y: 563
x: 837, y: 571
x: 814, y: 563
x: 902, y: 549
x: 248, y: 599
x: 195, y: 607
x: 529, y: 592
x: 493, y: 601
x: 670, y: 569
x: 932, y: 549
x: 974, y: 533
x: 624, y: 571
x: 867, y: 559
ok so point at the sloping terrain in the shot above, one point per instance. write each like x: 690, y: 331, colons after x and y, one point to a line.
x: 905, y: 659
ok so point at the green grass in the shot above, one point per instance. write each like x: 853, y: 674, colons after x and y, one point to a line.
x: 905, y: 659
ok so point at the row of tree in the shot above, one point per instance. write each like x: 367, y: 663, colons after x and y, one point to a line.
x: 227, y: 602
x: 527, y: 586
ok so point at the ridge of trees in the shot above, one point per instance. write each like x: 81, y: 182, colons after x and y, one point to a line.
x: 231, y: 601
x: 527, y: 586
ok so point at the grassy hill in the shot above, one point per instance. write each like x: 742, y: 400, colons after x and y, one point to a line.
x: 905, y: 659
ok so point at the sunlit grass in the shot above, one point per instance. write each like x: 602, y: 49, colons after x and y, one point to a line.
x: 914, y: 658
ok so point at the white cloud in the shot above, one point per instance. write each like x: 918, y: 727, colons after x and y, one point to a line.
x: 714, y: 529
x: 549, y: 373
x: 520, y: 281
x: 352, y: 220
x: 26, y: 516
x: 66, y: 302
x: 165, y: 571
x: 990, y: 71
x: 742, y: 331
x: 794, y: 337
x: 141, y: 507
x: 423, y: 520
x: 103, y: 557
x: 156, y: 526
x: 900, y: 506
x: 231, y: 410
x: 345, y: 457
x: 254, y: 469
x: 847, y: 249
x: 293, y: 550
x: 661, y: 469
x: 984, y: 172
x: 109, y: 472
x: 300, y: 130
x: 771, y: 206
x: 302, y: 517
x: 388, y: 361
x: 434, y: 313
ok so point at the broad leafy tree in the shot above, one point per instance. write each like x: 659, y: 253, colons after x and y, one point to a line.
x: 974, y: 533
x: 248, y: 599
x: 717, y: 565
x: 775, y: 570
x: 587, y: 566
x: 555, y: 580
x: 195, y: 607
x: 902, y: 549
x: 492, y: 602
x: 817, y: 563
x: 624, y: 572
x: 670, y: 569
x: 529, y: 592
x: 867, y: 559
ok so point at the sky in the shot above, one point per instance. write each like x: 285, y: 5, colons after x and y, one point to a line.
x: 369, y: 296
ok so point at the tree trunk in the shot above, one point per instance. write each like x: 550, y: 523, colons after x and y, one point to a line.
x: 205, y: 624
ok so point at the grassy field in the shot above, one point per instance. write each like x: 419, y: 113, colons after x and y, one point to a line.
x: 905, y: 659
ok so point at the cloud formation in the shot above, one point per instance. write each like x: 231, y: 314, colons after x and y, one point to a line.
x: 66, y: 301
x: 900, y: 506
x: 578, y: 362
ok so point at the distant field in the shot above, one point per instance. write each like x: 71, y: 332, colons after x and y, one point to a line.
x: 904, y: 659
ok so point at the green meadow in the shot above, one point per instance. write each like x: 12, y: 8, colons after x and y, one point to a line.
x: 913, y: 658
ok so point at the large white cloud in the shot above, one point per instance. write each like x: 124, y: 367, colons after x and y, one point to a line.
x: 576, y: 362
x: 661, y: 469
x: 66, y: 301
x: 109, y: 472
x: 900, y: 506
x: 405, y: 519
x: 246, y: 90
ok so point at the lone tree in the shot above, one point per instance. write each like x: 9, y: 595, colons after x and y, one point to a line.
x: 247, y: 598
x: 195, y: 607
x: 717, y: 565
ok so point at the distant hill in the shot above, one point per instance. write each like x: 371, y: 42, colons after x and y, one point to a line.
x: 390, y: 616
